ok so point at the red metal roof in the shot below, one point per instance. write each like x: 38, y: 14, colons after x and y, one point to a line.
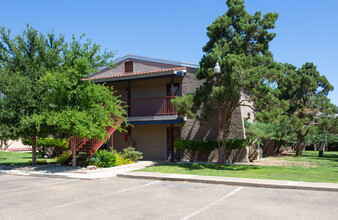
x: 139, y: 73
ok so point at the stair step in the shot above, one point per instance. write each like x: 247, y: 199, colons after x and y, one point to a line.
x: 88, y: 147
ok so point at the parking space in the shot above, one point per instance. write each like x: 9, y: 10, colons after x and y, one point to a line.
x: 25, y: 197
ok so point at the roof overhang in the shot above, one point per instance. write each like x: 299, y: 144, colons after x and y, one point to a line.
x: 176, y: 63
x: 163, y: 119
x: 141, y: 75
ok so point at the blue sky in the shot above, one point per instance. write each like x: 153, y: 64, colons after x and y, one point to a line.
x: 306, y: 30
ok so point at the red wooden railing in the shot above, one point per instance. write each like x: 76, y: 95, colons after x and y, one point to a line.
x: 79, y: 141
x: 95, y: 144
x: 151, y: 106
x: 88, y: 146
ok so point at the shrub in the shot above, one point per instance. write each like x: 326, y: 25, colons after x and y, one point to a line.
x: 236, y: 143
x: 122, y: 161
x: 196, y: 145
x: 91, y: 161
x: 49, y: 147
x: 104, y: 158
x: 131, y: 154
x: 63, y: 157
x: 39, y: 162
x: 207, y: 145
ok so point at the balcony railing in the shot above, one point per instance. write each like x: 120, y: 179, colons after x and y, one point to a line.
x: 151, y: 106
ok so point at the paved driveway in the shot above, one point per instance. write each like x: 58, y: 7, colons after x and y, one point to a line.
x: 118, y: 198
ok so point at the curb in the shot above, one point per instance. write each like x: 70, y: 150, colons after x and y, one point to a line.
x: 43, y: 175
x: 51, y: 176
x: 83, y: 175
x: 225, y: 181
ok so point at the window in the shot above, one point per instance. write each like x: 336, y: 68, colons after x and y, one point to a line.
x: 128, y: 67
x: 176, y: 89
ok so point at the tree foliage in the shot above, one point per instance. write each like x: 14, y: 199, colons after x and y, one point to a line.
x: 43, y: 91
x: 239, y: 41
x: 306, y: 90
x: 77, y: 106
x: 24, y: 59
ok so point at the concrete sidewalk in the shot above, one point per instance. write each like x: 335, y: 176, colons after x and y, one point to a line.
x: 68, y: 172
x: 281, y: 184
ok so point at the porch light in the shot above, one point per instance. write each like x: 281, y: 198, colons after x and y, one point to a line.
x: 217, y: 69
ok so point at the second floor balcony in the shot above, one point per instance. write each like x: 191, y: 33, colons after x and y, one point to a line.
x: 154, y: 106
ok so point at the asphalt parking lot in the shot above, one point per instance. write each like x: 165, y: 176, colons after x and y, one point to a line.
x: 25, y: 197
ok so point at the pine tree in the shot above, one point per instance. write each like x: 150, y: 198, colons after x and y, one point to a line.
x: 239, y: 42
x: 306, y: 90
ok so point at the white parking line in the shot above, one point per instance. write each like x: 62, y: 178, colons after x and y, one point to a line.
x: 105, y: 195
x: 211, y: 204
x: 13, y: 190
x: 62, y: 182
x: 11, y: 180
x: 44, y: 185
x: 12, y: 177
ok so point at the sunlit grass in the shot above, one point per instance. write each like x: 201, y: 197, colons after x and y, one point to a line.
x: 325, y: 171
x: 20, y: 158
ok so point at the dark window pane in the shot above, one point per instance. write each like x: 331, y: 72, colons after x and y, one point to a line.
x: 128, y: 67
x: 176, y: 89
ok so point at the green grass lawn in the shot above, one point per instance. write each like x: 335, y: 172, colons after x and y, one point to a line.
x: 20, y: 158
x: 325, y: 171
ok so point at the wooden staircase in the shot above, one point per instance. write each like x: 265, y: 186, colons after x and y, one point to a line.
x: 86, y: 147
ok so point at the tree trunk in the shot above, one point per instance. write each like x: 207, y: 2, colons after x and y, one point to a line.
x: 74, y: 151
x: 269, y: 148
x: 326, y: 144
x: 2, y: 145
x: 34, y: 150
x: 298, y: 148
x: 226, y: 129
x: 225, y: 134
x: 300, y: 138
x: 223, y: 148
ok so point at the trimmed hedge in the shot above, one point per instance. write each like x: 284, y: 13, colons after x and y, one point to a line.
x: 46, y: 142
x: 196, y: 145
x: 236, y: 143
x: 207, y: 145
x: 49, y: 147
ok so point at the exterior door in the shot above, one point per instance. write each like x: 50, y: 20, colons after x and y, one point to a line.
x: 177, y: 136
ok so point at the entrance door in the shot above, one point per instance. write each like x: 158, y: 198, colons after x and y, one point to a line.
x: 176, y: 137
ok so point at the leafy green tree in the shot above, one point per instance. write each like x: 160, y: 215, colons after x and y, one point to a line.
x: 78, y: 106
x: 325, y: 133
x: 306, y: 91
x: 239, y: 41
x: 24, y: 59
x: 44, y: 91
x: 272, y: 125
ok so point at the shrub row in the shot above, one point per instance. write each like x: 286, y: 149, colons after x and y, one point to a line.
x: 46, y: 142
x: 104, y: 158
x: 49, y: 147
x: 207, y: 145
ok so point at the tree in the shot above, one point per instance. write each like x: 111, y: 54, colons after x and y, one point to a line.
x: 240, y: 43
x: 43, y: 90
x: 326, y: 131
x: 77, y: 106
x: 24, y: 59
x: 273, y: 125
x: 306, y: 91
